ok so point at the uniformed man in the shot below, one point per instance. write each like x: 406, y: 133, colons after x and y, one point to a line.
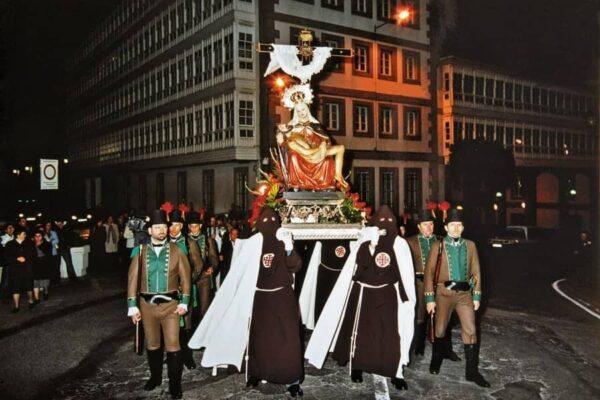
x: 420, y: 245
x: 176, y: 236
x: 209, y: 260
x: 454, y: 284
x: 156, y: 274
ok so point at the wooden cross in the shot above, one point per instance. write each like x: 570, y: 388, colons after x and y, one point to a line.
x: 305, y: 47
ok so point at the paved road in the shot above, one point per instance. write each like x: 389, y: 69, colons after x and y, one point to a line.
x: 535, y: 344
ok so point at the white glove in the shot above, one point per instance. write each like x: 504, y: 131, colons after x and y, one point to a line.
x: 286, y: 237
x: 371, y: 234
x: 131, y: 311
x: 182, y: 307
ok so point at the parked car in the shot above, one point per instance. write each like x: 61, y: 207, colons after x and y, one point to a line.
x: 519, y: 235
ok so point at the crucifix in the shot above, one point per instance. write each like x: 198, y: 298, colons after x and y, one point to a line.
x: 305, y: 49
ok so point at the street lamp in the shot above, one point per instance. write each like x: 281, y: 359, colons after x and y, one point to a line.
x: 402, y: 16
x: 16, y: 172
x: 523, y: 204
x: 65, y: 160
x: 498, y: 194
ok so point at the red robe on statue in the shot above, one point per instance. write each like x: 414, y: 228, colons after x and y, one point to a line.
x: 306, y: 174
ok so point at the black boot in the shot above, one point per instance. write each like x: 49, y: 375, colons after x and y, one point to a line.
x: 356, y: 375
x: 175, y: 368
x: 155, y: 361
x: 188, y: 354
x: 295, y: 390
x: 252, y: 382
x: 449, y: 354
x: 420, y: 334
x: 399, y: 384
x: 437, y: 356
x: 472, y: 371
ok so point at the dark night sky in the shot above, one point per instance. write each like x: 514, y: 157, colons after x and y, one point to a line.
x: 552, y: 40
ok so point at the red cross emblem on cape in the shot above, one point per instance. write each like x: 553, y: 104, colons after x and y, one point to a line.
x: 340, y: 251
x: 382, y: 260
x: 267, y: 260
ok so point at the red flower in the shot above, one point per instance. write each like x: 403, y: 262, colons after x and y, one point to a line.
x: 432, y: 205
x: 444, y: 206
x: 167, y: 207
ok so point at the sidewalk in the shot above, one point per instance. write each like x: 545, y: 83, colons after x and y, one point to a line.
x: 66, y: 297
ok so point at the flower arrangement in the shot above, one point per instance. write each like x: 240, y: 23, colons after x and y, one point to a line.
x: 269, y: 193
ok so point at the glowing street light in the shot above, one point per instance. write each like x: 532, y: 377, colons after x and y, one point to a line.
x: 523, y: 204
x: 573, y: 192
x: 495, y: 207
x: 16, y: 172
x: 403, y: 15
x: 65, y: 160
x: 459, y: 207
x: 279, y: 83
x: 498, y: 194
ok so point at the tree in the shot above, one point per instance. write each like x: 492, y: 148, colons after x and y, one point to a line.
x: 481, y: 169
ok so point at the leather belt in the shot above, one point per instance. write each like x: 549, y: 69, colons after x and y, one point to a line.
x: 457, y: 286
x: 331, y: 269
x: 159, y: 298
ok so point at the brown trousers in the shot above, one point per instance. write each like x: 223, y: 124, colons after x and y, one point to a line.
x: 205, y: 294
x: 446, y: 302
x: 420, y: 311
x: 157, y: 317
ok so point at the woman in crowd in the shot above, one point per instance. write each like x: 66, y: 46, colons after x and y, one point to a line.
x: 20, y: 254
x: 112, y: 243
x: 42, y: 266
x: 52, y: 237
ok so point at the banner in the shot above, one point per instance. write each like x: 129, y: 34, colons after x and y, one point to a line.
x: 48, y: 174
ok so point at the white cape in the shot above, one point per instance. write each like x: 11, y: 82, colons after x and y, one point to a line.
x: 326, y: 331
x: 224, y: 329
x: 309, y: 288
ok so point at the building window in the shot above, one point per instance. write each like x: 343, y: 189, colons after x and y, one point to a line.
x: 412, y: 123
x: 411, y: 67
x: 388, y: 188
x: 143, y: 192
x: 219, y: 122
x: 362, y: 59
x: 207, y: 54
x: 388, y: 121
x: 333, y: 4
x: 181, y: 187
x: 363, y: 8
x: 229, y: 120
x: 387, y: 63
x: 363, y: 119
x: 228, y: 52
x: 245, y: 50
x: 337, y: 63
x: 208, y: 125
x: 385, y: 8
x: 364, y: 184
x: 246, y: 118
x: 160, y: 189
x: 240, y: 193
x: 218, y: 51
x: 412, y: 189
x: 334, y: 116
x: 208, y: 189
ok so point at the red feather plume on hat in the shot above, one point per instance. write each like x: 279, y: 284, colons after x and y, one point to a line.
x: 445, y: 206
x: 183, y: 208
x: 432, y: 206
x: 167, y: 207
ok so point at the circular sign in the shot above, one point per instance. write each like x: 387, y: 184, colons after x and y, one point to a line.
x: 382, y: 260
x: 340, y: 251
x: 49, y: 171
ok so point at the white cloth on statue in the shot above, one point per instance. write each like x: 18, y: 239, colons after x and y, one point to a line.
x: 309, y: 288
x: 224, y: 329
x: 325, y: 334
x: 286, y: 58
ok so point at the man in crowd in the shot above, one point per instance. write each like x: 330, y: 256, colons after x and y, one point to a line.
x: 160, y: 305
x: 176, y: 236
x: 453, y: 282
x: 65, y: 240
x: 226, y: 252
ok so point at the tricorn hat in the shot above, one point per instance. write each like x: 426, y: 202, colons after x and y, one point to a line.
x: 158, y: 217
x: 454, y: 216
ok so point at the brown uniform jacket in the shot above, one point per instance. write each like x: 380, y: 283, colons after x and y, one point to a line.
x: 415, y: 251
x: 195, y: 258
x: 178, y: 277
x: 473, y: 268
